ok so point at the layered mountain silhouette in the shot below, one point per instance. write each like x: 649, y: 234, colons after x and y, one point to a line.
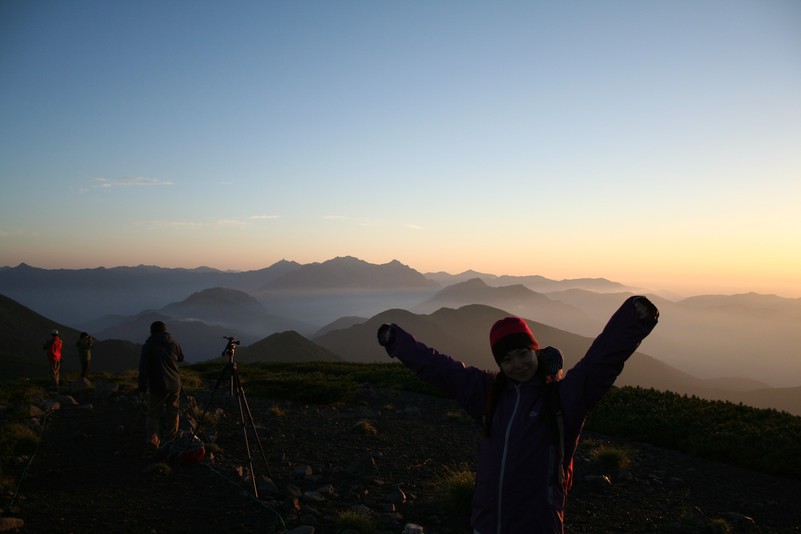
x: 516, y: 299
x: 200, y: 322
x: 738, y: 340
x: 286, y: 346
x: 460, y: 332
x: 534, y: 283
x: 87, y: 294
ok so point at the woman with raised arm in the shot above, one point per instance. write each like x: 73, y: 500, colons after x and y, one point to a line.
x: 531, y: 416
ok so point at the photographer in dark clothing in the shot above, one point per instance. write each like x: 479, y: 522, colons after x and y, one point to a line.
x: 85, y: 344
x: 159, y: 376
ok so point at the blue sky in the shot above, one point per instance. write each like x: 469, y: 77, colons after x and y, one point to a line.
x: 653, y: 143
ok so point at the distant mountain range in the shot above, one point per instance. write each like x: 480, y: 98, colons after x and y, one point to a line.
x: 83, y: 295
x: 458, y: 332
x: 744, y: 341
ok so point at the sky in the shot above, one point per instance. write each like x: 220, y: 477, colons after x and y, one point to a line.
x: 656, y: 144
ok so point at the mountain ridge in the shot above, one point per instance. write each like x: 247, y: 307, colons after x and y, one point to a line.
x: 750, y: 336
x: 459, y: 332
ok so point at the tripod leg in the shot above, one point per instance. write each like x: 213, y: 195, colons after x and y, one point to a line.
x: 240, y: 395
x: 255, y: 433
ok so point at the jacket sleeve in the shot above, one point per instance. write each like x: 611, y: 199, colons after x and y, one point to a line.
x: 592, y: 377
x: 467, y: 385
x: 179, y: 353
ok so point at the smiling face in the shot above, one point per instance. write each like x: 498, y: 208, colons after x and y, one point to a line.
x: 520, y: 364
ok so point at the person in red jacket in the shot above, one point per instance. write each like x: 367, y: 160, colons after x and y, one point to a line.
x: 532, y: 417
x: 53, y: 350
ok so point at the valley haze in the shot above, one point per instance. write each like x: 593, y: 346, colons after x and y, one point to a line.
x: 733, y: 347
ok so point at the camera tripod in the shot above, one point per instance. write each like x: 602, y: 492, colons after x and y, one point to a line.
x: 236, y: 389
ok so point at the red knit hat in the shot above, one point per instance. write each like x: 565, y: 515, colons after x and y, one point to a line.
x: 508, y: 334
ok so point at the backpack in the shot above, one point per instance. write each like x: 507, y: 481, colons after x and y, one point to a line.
x: 186, y: 449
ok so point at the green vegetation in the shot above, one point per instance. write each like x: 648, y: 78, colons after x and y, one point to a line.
x: 356, y: 521
x: 17, y: 439
x: 455, y: 490
x: 364, y: 427
x: 459, y: 415
x: 316, y: 382
x: 21, y: 391
x: 759, y: 439
x: 611, y: 458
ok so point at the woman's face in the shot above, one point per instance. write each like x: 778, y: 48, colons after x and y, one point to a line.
x: 520, y: 365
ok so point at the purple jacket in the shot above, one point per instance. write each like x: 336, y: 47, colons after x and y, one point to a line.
x: 516, y: 491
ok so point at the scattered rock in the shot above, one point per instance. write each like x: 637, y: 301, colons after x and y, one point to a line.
x: 105, y: 390
x: 302, y: 471
x: 363, y: 467
x: 34, y: 411
x: 314, y: 480
x: 8, y: 524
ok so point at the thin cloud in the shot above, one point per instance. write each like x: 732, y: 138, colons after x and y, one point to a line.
x: 183, y: 225
x: 17, y: 233
x: 137, y: 181
x: 414, y: 227
x: 231, y: 222
x: 227, y: 222
x: 244, y: 221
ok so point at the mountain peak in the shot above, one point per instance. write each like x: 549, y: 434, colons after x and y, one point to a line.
x: 344, y: 272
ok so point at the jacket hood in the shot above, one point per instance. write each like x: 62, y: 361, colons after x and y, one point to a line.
x: 159, y: 337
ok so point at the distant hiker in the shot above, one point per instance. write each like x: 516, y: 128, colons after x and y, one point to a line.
x: 52, y: 348
x: 158, y: 375
x: 532, y: 417
x: 85, y: 343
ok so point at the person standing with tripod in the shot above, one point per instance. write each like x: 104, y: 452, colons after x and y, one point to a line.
x: 159, y: 377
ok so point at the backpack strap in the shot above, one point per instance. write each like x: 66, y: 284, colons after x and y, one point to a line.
x: 557, y: 417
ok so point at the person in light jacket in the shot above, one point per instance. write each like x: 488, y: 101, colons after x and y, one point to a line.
x: 531, y: 416
x: 159, y: 376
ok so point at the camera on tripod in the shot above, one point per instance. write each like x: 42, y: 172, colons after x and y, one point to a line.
x: 230, y: 347
x: 245, y: 415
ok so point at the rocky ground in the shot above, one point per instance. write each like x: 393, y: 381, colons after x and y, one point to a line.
x: 384, y: 455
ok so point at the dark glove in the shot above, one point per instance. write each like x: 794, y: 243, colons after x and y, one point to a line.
x: 645, y: 310
x: 385, y: 334
x: 551, y: 360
